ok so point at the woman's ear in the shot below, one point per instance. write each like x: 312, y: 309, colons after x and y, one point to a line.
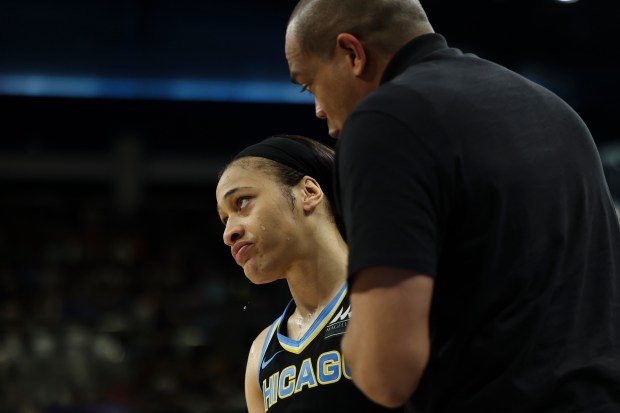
x: 312, y: 194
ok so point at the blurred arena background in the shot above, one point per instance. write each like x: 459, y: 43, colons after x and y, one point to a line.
x: 116, y: 292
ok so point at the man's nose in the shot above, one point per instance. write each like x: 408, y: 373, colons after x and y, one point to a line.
x: 318, y: 110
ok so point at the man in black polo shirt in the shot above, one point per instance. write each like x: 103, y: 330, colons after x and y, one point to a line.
x: 484, y: 246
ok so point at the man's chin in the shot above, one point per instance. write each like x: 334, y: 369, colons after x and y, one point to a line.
x: 334, y: 133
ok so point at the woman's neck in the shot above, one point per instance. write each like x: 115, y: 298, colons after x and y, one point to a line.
x: 314, y: 281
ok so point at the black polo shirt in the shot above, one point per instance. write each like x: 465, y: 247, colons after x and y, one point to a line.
x: 463, y: 170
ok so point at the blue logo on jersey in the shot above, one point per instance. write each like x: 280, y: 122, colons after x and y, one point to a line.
x: 266, y: 362
x: 330, y: 368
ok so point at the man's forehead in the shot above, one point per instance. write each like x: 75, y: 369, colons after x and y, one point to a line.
x: 300, y: 65
x: 292, y: 50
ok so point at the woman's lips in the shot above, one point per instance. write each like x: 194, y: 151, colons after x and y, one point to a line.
x: 239, y: 251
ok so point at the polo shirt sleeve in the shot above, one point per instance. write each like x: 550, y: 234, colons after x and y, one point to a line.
x: 391, y: 195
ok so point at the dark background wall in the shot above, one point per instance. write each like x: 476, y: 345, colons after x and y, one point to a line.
x: 116, y: 292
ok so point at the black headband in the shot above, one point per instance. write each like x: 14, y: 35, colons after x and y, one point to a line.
x: 295, y: 155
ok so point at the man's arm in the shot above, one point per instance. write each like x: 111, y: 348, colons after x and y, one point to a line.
x: 386, y: 345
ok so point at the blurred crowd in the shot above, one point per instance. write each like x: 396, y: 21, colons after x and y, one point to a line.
x: 108, y: 313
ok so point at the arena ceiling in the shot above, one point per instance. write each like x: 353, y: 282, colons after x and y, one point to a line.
x: 232, y: 50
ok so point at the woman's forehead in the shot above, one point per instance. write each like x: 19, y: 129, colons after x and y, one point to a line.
x: 248, y: 166
x: 243, y: 172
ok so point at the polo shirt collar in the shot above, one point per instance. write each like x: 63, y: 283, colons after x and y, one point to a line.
x: 414, y: 51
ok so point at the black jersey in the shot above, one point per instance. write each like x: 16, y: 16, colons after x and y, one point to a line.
x: 310, y: 375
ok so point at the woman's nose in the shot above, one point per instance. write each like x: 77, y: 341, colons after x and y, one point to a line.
x: 232, y: 233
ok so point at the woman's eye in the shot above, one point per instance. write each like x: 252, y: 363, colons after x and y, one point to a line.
x: 242, y: 202
x: 304, y: 88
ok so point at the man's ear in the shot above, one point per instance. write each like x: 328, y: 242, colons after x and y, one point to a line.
x: 312, y: 194
x: 352, y: 49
